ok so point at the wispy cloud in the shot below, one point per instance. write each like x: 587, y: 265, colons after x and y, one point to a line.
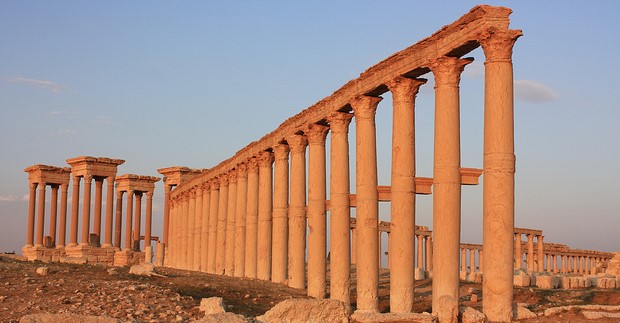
x: 533, y: 91
x: 44, y: 84
x: 8, y: 198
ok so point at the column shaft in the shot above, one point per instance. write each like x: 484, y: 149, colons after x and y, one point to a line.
x: 499, y: 168
x: 119, y: 219
x: 97, y: 211
x: 213, y: 213
x: 204, y: 235
x: 364, y: 108
x: 541, y: 254
x: 229, y: 266
x: 148, y: 220
x: 251, y: 233
x: 191, y: 229
x: 86, y: 210
x: 128, y: 218
x: 280, y: 214
x: 263, y: 251
x: 339, y: 211
x: 166, y: 229
x: 109, y: 208
x: 222, y: 212
x: 137, y: 222
x: 53, y: 213
x: 240, y: 223
x: 75, y: 209
x: 40, y: 215
x: 518, y: 254
x: 62, y: 223
x: 32, y: 202
x: 197, y: 230
x: 297, y: 213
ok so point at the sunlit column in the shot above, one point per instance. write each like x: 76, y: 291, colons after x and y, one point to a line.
x: 339, y: 212
x: 109, y: 212
x: 251, y: 224
x: 317, y: 222
x: 499, y: 169
x: 166, y: 229
x: 229, y: 262
x: 148, y: 225
x: 447, y: 178
x: 86, y: 210
x: 541, y: 253
x: 75, y: 209
x: 128, y: 217
x: 119, y: 219
x: 401, y: 252
x: 137, y: 226
x: 53, y: 213
x: 240, y: 223
x: 518, y: 254
x: 40, y: 215
x: 420, y: 252
x: 173, y: 242
x: 280, y: 214
x: 62, y: 223
x: 97, y: 211
x: 472, y: 260
x: 213, y: 213
x: 429, y: 254
x: 463, y: 259
x: 297, y: 212
x: 32, y: 202
x: 204, y: 231
x: 564, y: 264
x: 197, y: 229
x: 530, y: 253
x: 265, y: 204
x: 190, y: 226
x: 220, y: 251
x: 364, y: 108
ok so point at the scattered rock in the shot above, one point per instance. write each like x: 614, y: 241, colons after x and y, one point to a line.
x: 470, y: 315
x: 144, y: 269
x: 448, y: 310
x: 66, y: 318
x: 222, y: 318
x: 212, y: 305
x: 43, y: 271
x: 599, y: 315
x: 519, y: 312
x: 307, y: 310
x: 392, y: 317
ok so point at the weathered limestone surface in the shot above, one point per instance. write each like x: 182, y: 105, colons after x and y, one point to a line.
x: 307, y: 310
x: 470, y: 315
x: 66, y: 318
x: 547, y: 282
x: 212, y: 305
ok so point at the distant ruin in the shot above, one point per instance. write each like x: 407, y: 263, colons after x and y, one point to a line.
x: 249, y: 215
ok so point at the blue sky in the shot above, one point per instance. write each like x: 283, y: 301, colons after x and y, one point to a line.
x: 189, y: 83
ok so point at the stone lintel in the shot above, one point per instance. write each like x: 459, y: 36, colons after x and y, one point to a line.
x: 48, y: 174
x: 94, y: 166
x: 533, y: 232
x: 471, y: 246
x: 176, y: 175
x: 136, y: 183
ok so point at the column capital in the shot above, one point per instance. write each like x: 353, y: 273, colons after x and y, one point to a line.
x: 111, y: 179
x: 540, y: 238
x: 253, y: 165
x: 404, y: 87
x: 339, y: 122
x: 447, y: 70
x: 214, y: 184
x: 365, y: 107
x: 281, y: 151
x: 297, y: 143
x: 242, y: 170
x: 232, y: 176
x: 223, y: 179
x: 316, y: 134
x: 497, y: 45
x: 149, y: 195
x: 33, y: 185
x: 88, y: 178
x: 192, y: 193
x: 265, y: 158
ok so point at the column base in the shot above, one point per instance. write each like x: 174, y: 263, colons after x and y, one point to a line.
x: 40, y: 253
x: 128, y: 257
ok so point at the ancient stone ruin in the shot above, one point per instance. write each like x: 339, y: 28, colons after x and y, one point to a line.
x: 249, y: 215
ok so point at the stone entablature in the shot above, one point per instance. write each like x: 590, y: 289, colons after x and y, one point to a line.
x: 94, y: 166
x: 48, y: 174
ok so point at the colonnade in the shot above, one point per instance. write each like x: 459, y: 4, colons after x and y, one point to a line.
x: 260, y: 193
x: 468, y: 258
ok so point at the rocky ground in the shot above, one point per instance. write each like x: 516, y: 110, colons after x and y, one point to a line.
x: 113, y: 292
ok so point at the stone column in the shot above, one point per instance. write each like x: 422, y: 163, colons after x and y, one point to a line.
x: 353, y: 246
x: 251, y: 233
x: 530, y: 253
x: 420, y: 252
x: 447, y: 178
x: 554, y: 263
x: 173, y: 243
x: 297, y: 213
x: 62, y: 232
x: 40, y: 215
x: 53, y: 213
x: 229, y: 262
x: 213, y: 213
x: 499, y: 169
x: 339, y: 212
x: 265, y: 204
x: 472, y: 260
x: 147, y: 226
x: 541, y: 253
x: 379, y: 248
x: 463, y: 259
x: 564, y: 261
x: 364, y: 108
x: 97, y: 211
x: 183, y: 230
x: 197, y: 229
x: 119, y: 219
x: 280, y: 216
x: 32, y: 202
x: 128, y: 217
x: 220, y: 251
x: 429, y: 254
x: 317, y: 222
x: 109, y: 205
x: 204, y: 234
x: 166, y: 229
x: 240, y: 223
x: 518, y: 254
x: 402, y: 226
x: 86, y: 210
x: 190, y: 226
x: 137, y: 221
x: 75, y: 209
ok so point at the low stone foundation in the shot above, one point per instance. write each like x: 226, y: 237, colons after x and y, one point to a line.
x: 83, y: 255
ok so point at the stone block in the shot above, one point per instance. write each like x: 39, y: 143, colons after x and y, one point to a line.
x: 470, y: 315
x: 419, y: 274
x: 521, y: 280
x: 475, y: 277
x: 463, y: 275
x: 547, y: 282
x: 212, y: 305
x: 307, y: 310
